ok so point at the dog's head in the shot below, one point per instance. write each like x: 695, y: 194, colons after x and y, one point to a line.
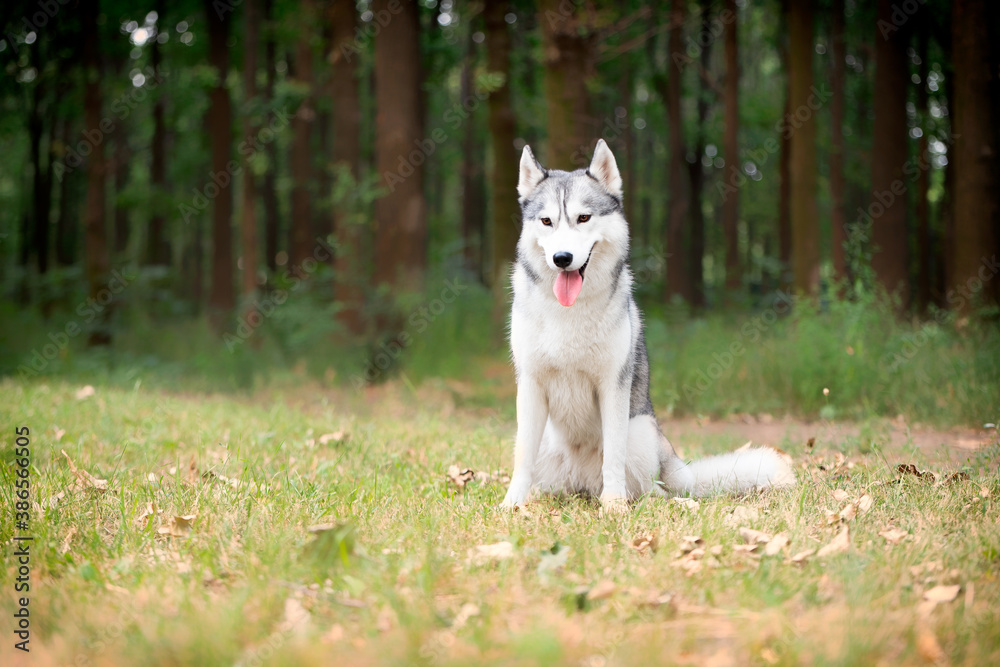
x: 572, y: 221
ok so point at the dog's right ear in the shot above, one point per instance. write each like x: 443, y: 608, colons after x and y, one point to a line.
x: 531, y: 173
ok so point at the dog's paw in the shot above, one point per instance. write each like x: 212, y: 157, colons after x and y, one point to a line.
x: 613, y: 505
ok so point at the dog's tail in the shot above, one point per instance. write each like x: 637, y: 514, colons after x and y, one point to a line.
x: 742, y: 471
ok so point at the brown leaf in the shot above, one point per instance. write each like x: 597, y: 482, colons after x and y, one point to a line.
x: 776, y: 544
x: 751, y: 536
x: 142, y: 520
x: 955, y: 477
x: 645, y: 542
x: 64, y: 548
x: 177, y: 526
x: 865, y: 503
x: 741, y: 514
x: 810, y: 443
x: 691, y: 542
x: 336, y: 436
x: 848, y: 513
x: 839, y: 544
x: 893, y: 535
x: 485, y: 553
x: 601, y: 590
x: 800, y: 557
x: 192, y: 475
x: 910, y: 469
x: 460, y: 477
x: 840, y: 495
x: 85, y: 392
x: 84, y: 480
x: 942, y: 593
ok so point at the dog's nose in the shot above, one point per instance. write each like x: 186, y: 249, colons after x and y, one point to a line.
x: 563, y: 259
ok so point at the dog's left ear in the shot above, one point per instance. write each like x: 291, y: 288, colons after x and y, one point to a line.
x: 604, y: 168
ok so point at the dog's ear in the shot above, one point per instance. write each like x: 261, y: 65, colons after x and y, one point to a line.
x: 531, y: 173
x: 604, y: 168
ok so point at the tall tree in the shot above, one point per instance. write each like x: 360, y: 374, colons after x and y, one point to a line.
x: 802, y: 155
x: 270, y: 187
x: 300, y: 161
x: 696, y: 173
x: 66, y: 219
x: 472, y: 171
x: 159, y: 246
x: 784, y: 164
x: 889, y: 154
x: 401, y: 214
x: 121, y: 160
x: 838, y: 215
x: 503, y: 196
x: 976, y: 58
x: 731, y: 143
x: 219, y: 119
x: 925, y: 267
x: 349, y: 267
x: 677, y: 284
x: 568, y: 45
x: 41, y: 177
x: 97, y: 262
x: 249, y: 226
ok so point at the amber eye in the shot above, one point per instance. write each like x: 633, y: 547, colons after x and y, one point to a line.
x: 547, y: 222
x: 583, y: 218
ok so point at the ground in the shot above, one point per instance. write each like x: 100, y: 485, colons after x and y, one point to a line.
x: 305, y: 525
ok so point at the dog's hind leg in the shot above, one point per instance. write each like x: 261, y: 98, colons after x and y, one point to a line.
x: 643, y: 467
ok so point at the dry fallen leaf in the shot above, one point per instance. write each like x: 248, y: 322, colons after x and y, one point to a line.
x: 85, y: 392
x: 745, y: 548
x: 984, y: 492
x: 467, y: 611
x: 687, y: 503
x: 460, y: 476
x: 142, y: 521
x: 741, y: 515
x: 691, y: 561
x: 848, y: 513
x: 800, y: 557
x: 485, y: 553
x: 893, y: 535
x: 645, y: 542
x: 840, y: 495
x: 751, y: 536
x: 691, y: 542
x: 601, y: 590
x: 84, y: 480
x: 177, y: 526
x: 64, y: 549
x: 942, y: 593
x: 960, y: 476
x: 839, y: 544
x: 776, y: 544
x: 910, y: 469
x: 865, y: 503
x: 326, y: 438
x: 810, y: 443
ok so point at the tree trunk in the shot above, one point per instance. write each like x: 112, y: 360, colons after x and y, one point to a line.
x: 802, y: 158
x: 220, y: 117
x: 568, y: 45
x: 889, y: 153
x: 249, y: 226
x: 121, y: 160
x: 270, y: 193
x: 41, y: 186
x: 300, y: 241
x: 97, y: 262
x: 350, y: 267
x: 401, y: 214
x: 159, y: 246
x: 696, y: 174
x: 838, y: 215
x: 677, y: 284
x: 505, y: 158
x: 66, y: 228
x: 925, y: 266
x: 975, y: 156
x: 472, y: 171
x: 731, y: 147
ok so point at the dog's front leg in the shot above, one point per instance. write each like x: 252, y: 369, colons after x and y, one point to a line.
x: 532, y: 413
x: 614, y: 398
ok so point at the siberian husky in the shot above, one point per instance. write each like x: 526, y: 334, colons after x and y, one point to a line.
x: 585, y: 422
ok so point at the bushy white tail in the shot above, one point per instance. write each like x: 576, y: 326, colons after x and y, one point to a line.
x: 736, y: 472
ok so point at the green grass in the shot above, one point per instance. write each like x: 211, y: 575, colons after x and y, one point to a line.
x: 394, y: 582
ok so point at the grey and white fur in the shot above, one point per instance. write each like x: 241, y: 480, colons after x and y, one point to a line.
x: 585, y: 423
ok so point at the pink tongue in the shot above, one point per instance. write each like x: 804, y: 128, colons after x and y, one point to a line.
x: 568, y: 286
